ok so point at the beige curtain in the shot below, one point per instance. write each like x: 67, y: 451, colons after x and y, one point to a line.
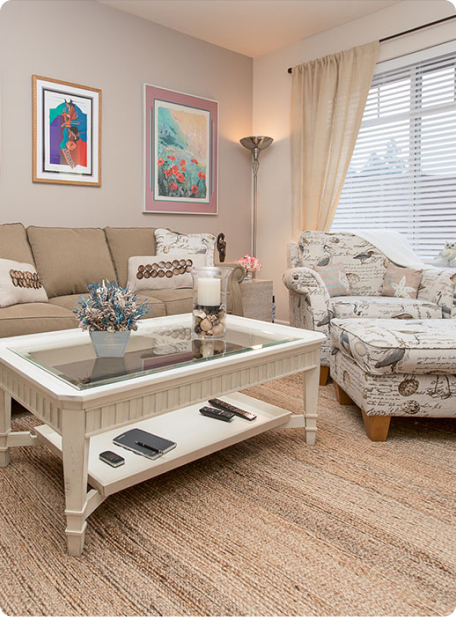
x: 328, y: 100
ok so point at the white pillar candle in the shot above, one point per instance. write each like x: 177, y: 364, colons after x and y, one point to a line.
x: 208, y: 292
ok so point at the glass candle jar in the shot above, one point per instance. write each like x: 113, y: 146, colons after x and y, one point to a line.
x: 209, y: 302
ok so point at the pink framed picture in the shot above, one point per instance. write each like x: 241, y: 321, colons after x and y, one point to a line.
x: 180, y: 158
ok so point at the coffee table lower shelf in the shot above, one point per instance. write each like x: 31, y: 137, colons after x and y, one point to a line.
x: 196, y: 436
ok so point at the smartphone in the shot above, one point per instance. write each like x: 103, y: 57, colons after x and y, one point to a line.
x: 111, y: 458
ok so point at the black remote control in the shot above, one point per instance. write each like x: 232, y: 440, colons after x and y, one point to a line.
x: 247, y: 415
x: 218, y: 414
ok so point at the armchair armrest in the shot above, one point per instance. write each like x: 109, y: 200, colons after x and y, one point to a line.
x: 234, y: 290
x: 438, y: 285
x: 310, y: 303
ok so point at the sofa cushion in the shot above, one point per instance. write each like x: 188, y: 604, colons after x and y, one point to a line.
x: 383, y: 307
x: 14, y: 244
x: 171, y: 241
x: 19, y: 284
x: 176, y: 301
x: 125, y: 242
x: 170, y: 271
x: 69, y: 259
x: 383, y: 346
x: 156, y: 308
x: 36, y: 317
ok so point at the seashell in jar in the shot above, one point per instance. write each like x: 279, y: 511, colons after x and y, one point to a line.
x: 199, y: 313
x: 217, y: 330
x: 206, y: 325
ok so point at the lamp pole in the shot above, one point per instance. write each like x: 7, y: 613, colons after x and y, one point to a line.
x: 255, y: 144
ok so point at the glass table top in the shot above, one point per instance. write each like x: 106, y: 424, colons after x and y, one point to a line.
x: 150, y: 350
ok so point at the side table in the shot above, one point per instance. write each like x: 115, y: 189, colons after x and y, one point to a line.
x: 257, y: 299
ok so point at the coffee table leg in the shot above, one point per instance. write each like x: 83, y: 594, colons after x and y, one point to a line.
x: 5, y: 427
x: 75, y: 453
x: 310, y: 382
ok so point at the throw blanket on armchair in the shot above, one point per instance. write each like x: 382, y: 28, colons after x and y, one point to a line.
x: 394, y: 245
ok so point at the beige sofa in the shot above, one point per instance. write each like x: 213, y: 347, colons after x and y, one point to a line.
x: 68, y: 259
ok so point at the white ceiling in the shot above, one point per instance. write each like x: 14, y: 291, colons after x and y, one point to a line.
x: 250, y: 27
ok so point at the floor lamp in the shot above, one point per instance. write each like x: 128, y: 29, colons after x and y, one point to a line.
x: 255, y: 144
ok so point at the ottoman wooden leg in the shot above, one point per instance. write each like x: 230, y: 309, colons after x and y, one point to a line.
x: 376, y: 426
x: 324, y: 374
x: 342, y: 396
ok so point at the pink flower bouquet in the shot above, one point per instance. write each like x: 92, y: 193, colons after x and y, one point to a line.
x: 251, y: 264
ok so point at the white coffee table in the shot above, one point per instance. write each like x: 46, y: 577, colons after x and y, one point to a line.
x: 159, y: 386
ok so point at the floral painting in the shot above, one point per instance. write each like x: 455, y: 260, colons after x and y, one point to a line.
x: 67, y: 132
x: 181, y: 152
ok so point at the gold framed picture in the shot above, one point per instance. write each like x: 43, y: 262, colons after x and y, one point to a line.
x: 66, y: 132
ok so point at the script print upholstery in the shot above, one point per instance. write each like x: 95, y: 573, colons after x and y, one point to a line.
x: 388, y: 307
x: 365, y: 266
x: 312, y: 309
x: 407, y: 394
x: 385, y: 346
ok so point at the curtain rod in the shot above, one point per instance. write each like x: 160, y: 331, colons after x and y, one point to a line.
x: 395, y: 36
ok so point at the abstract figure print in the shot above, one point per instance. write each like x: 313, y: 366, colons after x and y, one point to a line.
x: 68, y: 135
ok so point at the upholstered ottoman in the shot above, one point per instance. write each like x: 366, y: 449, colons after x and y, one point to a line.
x: 393, y: 367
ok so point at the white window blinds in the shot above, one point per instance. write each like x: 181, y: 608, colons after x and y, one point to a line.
x: 402, y: 175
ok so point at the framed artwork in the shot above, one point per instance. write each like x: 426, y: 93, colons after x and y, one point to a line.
x: 66, y: 132
x: 180, y: 152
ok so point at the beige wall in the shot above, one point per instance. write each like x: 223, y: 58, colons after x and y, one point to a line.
x: 272, y: 100
x: 94, y: 45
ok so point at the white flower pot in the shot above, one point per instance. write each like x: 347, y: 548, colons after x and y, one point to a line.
x: 110, y: 344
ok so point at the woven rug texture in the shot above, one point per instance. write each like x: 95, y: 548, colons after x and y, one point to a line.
x: 270, y: 526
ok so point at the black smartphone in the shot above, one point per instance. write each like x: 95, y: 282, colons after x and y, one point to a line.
x: 111, y: 458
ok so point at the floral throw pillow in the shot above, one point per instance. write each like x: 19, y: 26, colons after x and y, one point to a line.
x: 401, y: 282
x: 197, y: 244
x: 166, y: 271
x: 335, y: 279
x: 19, y: 284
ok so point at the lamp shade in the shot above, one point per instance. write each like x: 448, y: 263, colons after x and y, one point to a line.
x: 259, y: 142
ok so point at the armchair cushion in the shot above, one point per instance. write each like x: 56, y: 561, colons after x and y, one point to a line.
x: 335, y: 279
x: 384, y: 307
x: 401, y: 282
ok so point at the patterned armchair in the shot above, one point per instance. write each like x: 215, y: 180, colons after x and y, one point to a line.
x: 312, y: 307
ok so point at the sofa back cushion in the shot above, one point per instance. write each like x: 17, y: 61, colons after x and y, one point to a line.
x: 364, y: 264
x: 69, y: 259
x: 126, y: 242
x: 14, y: 244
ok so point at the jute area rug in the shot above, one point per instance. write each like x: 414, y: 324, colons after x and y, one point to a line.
x: 268, y: 527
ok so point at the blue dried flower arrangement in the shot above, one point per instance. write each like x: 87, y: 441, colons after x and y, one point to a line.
x: 109, y: 308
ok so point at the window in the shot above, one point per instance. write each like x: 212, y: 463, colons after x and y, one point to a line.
x: 402, y: 175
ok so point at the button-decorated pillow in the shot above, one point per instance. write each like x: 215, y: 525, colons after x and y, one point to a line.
x: 196, y: 244
x: 19, y: 284
x: 401, y: 282
x: 335, y: 279
x: 167, y: 271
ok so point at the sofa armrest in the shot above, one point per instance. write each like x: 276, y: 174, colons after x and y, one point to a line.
x: 234, y: 290
x: 310, y: 303
x: 438, y: 285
